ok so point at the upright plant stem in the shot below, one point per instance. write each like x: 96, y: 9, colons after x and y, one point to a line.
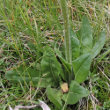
x: 67, y: 42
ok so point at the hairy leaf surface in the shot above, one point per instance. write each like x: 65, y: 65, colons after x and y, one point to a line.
x: 55, y: 97
x: 86, y: 36
x: 81, y: 67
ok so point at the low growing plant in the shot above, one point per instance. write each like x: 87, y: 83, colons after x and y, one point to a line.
x: 54, y: 69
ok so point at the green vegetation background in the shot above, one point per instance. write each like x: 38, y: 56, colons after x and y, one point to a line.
x: 27, y: 25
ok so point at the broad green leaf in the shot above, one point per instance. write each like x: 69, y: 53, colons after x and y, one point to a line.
x: 21, y: 73
x: 55, y: 97
x: 75, y: 45
x: 75, y: 93
x: 86, y: 36
x: 25, y: 75
x: 66, y: 68
x: 81, y: 67
x: 98, y: 45
x: 65, y: 64
x: 1, y: 61
x: 50, y: 65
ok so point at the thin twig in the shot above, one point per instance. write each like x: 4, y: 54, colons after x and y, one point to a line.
x: 104, y: 74
x: 92, y: 97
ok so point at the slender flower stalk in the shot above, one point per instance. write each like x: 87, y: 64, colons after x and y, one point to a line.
x: 67, y: 42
